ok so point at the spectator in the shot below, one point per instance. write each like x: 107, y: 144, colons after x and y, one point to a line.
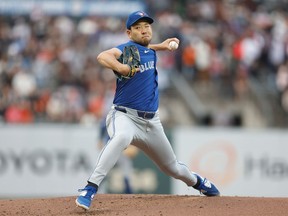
x: 225, y: 42
x: 19, y: 112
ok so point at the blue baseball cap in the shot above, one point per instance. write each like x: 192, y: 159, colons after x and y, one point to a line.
x: 136, y: 16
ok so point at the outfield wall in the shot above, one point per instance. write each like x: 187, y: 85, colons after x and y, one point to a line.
x: 55, y: 160
x: 45, y: 160
x: 241, y: 162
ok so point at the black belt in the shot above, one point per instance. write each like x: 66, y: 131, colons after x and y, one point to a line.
x: 142, y: 114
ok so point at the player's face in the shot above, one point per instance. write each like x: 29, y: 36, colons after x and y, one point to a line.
x: 141, y: 33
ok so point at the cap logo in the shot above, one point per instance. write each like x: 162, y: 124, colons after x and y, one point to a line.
x: 136, y: 16
x: 141, y: 13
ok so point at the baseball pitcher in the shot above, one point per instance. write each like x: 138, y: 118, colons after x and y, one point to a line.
x: 134, y: 116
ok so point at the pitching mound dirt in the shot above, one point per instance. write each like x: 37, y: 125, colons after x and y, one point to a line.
x: 148, y: 205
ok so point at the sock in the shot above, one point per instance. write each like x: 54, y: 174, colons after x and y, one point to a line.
x: 199, y: 180
x: 92, y: 185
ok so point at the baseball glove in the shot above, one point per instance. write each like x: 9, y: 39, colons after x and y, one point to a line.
x: 131, y: 57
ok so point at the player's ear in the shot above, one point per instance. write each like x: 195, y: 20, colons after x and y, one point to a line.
x: 128, y: 31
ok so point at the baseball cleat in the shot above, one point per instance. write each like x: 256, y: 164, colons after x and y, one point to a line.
x: 86, y: 196
x: 204, y: 186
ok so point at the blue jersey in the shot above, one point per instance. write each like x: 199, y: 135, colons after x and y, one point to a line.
x: 141, y: 91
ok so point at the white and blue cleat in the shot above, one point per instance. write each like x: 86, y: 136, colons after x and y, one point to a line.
x: 204, y: 186
x: 86, y: 196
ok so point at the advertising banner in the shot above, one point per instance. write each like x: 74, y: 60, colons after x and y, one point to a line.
x: 239, y: 162
x: 70, y: 7
x: 45, y: 160
x: 51, y: 160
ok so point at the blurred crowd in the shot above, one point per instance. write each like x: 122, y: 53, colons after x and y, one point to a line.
x: 229, y: 42
x: 49, y: 72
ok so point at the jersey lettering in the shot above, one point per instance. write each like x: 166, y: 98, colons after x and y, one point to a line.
x: 146, y: 66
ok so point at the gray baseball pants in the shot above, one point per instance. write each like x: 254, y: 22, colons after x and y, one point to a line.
x: 146, y: 134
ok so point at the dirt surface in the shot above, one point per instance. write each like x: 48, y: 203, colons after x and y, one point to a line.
x: 148, y: 205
